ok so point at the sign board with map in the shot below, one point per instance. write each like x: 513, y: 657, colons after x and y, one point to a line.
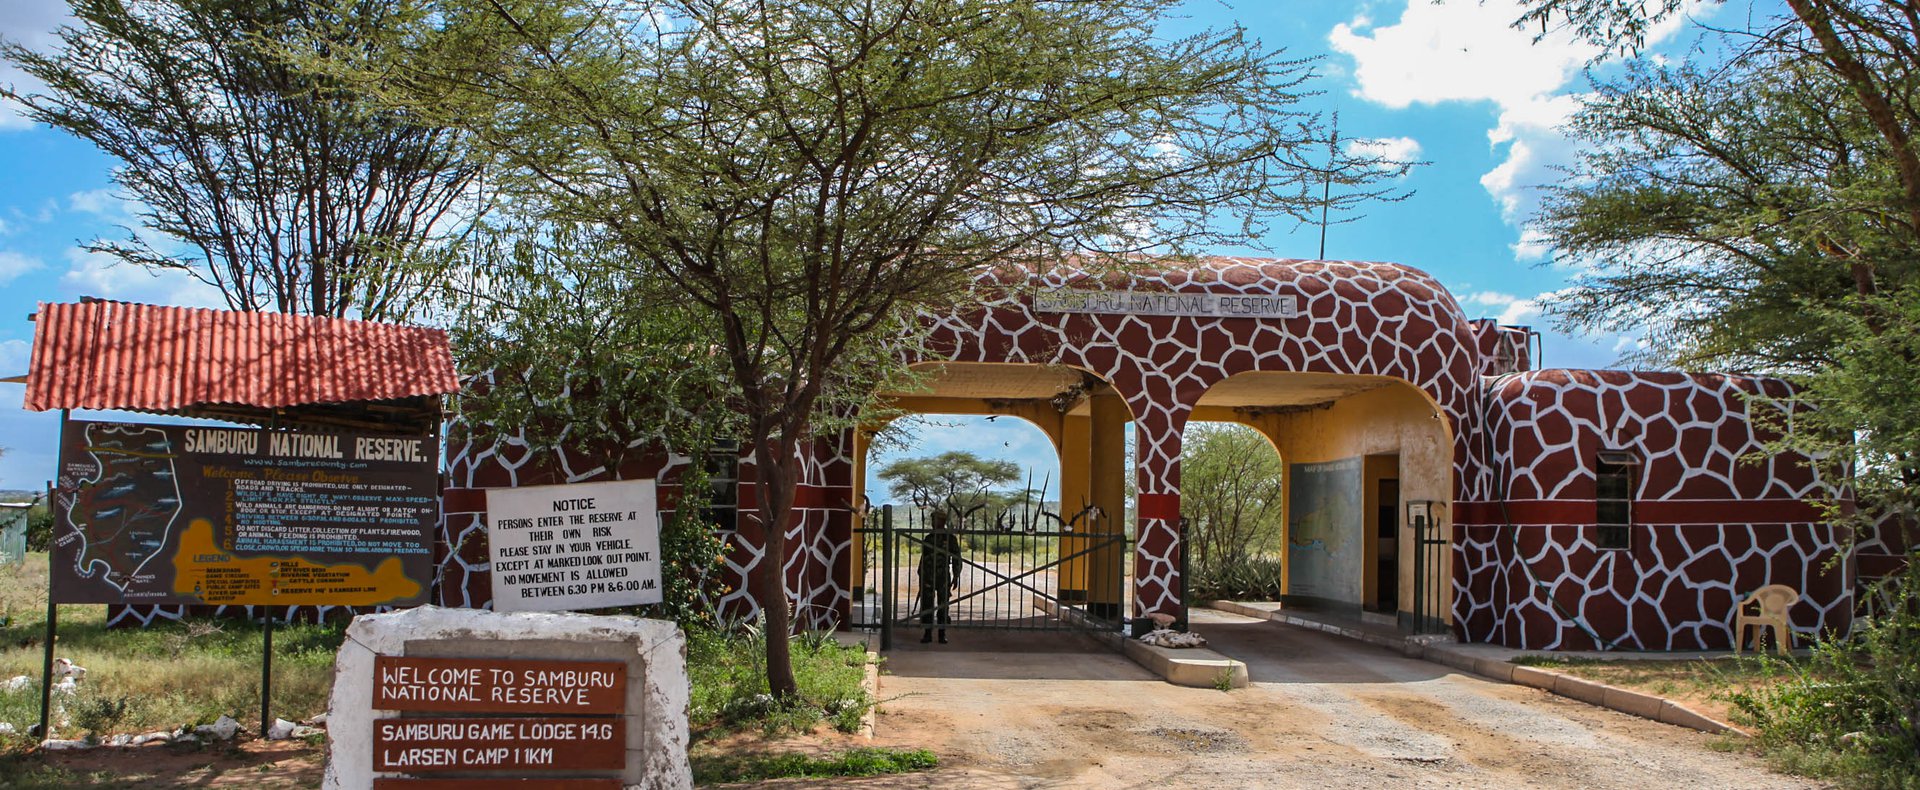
x: 179, y: 514
x: 1324, y: 526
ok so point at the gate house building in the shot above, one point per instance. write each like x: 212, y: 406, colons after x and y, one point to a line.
x: 1569, y: 509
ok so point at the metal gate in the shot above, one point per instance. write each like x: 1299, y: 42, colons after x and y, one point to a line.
x: 1430, y: 577
x: 1020, y: 569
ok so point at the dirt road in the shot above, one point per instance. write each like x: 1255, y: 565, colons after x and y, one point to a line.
x: 1003, y: 712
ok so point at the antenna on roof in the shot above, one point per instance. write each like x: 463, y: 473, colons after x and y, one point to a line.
x: 1326, y: 185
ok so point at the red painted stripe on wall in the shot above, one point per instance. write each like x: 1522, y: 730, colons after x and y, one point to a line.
x: 1692, y: 511
x: 1160, y: 506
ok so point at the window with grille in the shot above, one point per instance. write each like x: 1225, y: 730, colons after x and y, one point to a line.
x: 1613, y: 498
x: 723, y: 486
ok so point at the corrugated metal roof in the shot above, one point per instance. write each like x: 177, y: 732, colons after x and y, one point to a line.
x: 115, y: 355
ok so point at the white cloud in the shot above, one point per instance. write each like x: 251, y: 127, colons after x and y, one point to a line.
x: 13, y: 264
x: 30, y: 23
x: 13, y: 357
x: 102, y: 275
x: 1514, y: 310
x: 1467, y: 51
x: 1456, y: 51
x: 101, y: 202
x: 1389, y: 149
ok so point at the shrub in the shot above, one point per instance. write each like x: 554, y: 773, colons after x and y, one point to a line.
x: 1851, y: 712
x: 729, y: 682
x: 1257, y: 578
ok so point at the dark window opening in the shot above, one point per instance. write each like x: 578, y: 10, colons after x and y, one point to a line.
x: 1613, y: 498
x: 723, y: 486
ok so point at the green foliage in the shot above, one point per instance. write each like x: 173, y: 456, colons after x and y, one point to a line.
x: 98, y: 714
x: 1852, y: 712
x: 1727, y: 249
x: 1231, y: 495
x: 289, y: 192
x: 853, y: 762
x: 956, y: 480
x: 1257, y: 579
x: 730, y: 691
x: 1862, y: 421
x: 40, y: 528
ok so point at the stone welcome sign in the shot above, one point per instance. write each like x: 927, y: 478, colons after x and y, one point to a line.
x: 522, y: 745
x: 444, y: 698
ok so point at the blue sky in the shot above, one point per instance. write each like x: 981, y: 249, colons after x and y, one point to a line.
x: 1450, y: 84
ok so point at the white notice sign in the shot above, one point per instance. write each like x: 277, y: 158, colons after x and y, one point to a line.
x: 580, y: 546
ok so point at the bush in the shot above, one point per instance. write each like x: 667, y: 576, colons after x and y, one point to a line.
x: 1852, y: 712
x: 1256, y: 579
x: 727, y: 669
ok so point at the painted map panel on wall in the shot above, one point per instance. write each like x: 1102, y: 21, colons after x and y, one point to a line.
x: 172, y: 514
x: 1324, y: 523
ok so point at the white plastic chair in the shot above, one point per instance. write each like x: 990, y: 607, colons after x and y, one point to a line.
x: 1770, y: 604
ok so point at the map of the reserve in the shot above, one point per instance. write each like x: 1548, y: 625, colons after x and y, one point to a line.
x: 166, y: 514
x: 1323, y: 528
x: 134, y: 502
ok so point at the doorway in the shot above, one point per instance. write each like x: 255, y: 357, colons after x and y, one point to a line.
x: 1386, y: 547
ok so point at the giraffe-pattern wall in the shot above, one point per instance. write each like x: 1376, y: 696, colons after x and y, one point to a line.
x: 480, y: 457
x: 1353, y: 318
x: 1715, y: 515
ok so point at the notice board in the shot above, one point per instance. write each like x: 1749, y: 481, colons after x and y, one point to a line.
x: 175, y: 514
x: 578, y: 546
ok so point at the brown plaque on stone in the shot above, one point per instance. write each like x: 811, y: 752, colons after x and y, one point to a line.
x: 531, y: 744
x: 496, y: 784
x: 498, y: 685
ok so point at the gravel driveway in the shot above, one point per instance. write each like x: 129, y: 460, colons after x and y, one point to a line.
x: 1020, y: 711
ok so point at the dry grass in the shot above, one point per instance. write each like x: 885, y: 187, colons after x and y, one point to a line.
x: 140, y: 680
x: 1706, y: 685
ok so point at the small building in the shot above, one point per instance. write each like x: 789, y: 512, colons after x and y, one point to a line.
x: 1456, y: 484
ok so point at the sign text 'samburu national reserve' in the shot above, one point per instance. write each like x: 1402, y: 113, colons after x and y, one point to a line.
x: 170, y: 514
x: 579, y: 546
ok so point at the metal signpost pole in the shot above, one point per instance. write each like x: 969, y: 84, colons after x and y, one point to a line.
x: 266, y: 673
x: 53, y: 616
x: 266, y: 638
x: 886, y: 578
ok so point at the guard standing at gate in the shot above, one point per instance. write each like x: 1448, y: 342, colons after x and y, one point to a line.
x: 939, y: 576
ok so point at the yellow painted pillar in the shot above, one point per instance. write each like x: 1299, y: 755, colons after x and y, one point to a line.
x: 1107, y: 484
x: 857, y: 562
x: 1076, y: 469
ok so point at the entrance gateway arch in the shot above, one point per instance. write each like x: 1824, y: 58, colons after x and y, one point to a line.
x: 1365, y: 376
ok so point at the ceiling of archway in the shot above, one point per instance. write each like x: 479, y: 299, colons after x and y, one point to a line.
x: 989, y: 380
x: 1273, y: 389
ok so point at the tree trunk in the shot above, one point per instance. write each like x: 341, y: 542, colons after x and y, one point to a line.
x: 776, y: 485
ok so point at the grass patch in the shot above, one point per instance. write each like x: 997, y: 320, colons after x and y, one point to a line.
x: 1707, y: 684
x: 163, y: 677
x: 729, y: 678
x: 854, y: 762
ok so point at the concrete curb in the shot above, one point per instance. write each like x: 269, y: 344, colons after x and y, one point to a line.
x: 1646, y: 706
x: 871, y: 680
x: 1196, y: 667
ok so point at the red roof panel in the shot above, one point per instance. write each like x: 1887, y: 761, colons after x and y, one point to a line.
x: 114, y: 355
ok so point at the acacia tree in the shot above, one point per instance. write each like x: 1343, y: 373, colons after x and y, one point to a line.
x: 951, y: 480
x: 810, y: 174
x: 280, y: 188
x: 1232, y: 493
x: 1763, y: 211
